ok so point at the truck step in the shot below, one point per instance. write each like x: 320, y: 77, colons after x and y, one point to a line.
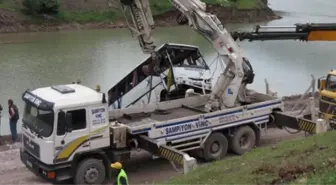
x: 169, y: 153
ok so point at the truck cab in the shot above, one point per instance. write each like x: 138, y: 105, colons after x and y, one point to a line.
x: 59, y: 123
x: 327, y: 102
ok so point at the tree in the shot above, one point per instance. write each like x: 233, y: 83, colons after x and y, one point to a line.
x: 41, y: 6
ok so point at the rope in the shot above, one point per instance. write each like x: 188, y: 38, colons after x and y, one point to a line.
x: 216, y: 59
x: 213, y: 73
x: 174, y: 166
x: 296, y: 132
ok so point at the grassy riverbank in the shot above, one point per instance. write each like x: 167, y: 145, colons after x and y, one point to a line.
x: 158, y: 8
x: 306, y: 161
x: 86, y: 14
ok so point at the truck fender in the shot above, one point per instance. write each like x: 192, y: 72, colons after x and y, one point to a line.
x: 257, y: 133
x: 98, y: 154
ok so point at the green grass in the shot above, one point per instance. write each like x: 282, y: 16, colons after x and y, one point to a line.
x: 158, y: 7
x: 247, y: 4
x: 328, y: 177
x: 8, y: 5
x: 240, y: 4
x: 89, y: 16
x: 307, y: 161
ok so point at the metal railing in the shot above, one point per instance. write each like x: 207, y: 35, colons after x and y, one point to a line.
x: 268, y: 91
x: 313, y: 91
x: 303, y: 105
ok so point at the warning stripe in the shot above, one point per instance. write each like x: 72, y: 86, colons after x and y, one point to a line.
x: 307, y: 126
x: 171, y: 155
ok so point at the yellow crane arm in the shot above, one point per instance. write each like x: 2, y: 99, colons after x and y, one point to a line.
x: 322, y: 35
x: 302, y: 32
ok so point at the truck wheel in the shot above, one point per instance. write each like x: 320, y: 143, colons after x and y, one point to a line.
x: 243, y: 140
x: 215, y: 147
x: 90, y: 171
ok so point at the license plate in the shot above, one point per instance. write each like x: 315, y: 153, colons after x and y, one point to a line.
x: 29, y: 164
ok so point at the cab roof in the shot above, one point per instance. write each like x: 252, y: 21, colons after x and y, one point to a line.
x: 332, y: 72
x: 69, y: 95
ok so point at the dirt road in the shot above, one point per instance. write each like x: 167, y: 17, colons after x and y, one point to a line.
x: 141, y: 170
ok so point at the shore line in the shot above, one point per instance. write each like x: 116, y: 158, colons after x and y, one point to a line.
x: 9, y: 24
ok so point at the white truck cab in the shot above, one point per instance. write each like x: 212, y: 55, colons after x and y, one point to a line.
x: 59, y: 122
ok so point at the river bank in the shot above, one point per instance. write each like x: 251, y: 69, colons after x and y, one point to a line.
x: 12, y: 22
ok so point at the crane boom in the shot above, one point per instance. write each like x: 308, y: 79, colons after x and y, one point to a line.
x: 141, y: 26
x: 143, y: 22
x: 301, y: 32
x: 229, y: 90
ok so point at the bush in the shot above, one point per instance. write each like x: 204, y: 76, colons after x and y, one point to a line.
x: 41, y: 6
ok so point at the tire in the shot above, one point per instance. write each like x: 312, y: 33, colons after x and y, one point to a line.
x: 215, y: 147
x: 243, y: 140
x: 89, y: 167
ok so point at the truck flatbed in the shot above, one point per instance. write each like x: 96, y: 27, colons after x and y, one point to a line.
x: 139, y: 119
x: 187, y: 119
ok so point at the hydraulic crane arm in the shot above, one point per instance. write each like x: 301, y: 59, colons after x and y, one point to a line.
x: 143, y: 22
x: 229, y: 90
x: 302, y: 32
x: 141, y: 26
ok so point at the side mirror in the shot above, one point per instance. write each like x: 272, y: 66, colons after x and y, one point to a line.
x: 68, y: 122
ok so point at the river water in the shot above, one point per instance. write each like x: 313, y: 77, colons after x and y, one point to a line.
x: 103, y: 57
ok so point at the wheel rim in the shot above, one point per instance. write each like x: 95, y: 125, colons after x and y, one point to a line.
x: 244, y: 141
x: 91, y: 175
x: 215, y: 147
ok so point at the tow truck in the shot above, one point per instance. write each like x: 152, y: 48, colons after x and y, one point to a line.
x: 68, y: 131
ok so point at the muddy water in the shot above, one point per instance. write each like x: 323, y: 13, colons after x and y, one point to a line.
x: 31, y: 60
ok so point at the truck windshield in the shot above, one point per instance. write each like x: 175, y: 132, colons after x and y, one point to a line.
x: 194, y: 60
x: 39, y: 121
x: 331, y: 83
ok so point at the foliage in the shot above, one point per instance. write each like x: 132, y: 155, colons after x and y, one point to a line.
x: 88, y: 16
x: 8, y: 5
x: 160, y: 6
x: 41, y: 6
x: 41, y: 10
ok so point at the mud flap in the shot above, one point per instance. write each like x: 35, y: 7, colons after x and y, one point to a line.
x: 169, y: 153
x: 283, y: 120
